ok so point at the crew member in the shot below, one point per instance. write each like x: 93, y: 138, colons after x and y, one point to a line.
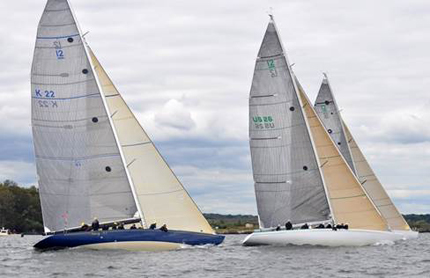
x: 288, y: 225
x: 305, y: 226
x: 164, y: 228
x: 95, y: 225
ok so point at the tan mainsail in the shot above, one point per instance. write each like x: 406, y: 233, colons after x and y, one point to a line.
x: 348, y: 200
x: 160, y: 195
x: 373, y: 187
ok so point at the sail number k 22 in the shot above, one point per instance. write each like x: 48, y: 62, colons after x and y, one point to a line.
x: 263, y: 122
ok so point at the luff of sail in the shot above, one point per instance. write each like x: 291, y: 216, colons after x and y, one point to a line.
x: 80, y: 171
x: 162, y: 198
x: 328, y: 111
x: 348, y: 200
x: 374, y: 188
x: 288, y: 183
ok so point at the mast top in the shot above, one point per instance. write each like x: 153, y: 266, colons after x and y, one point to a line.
x: 325, y: 80
x: 270, y: 13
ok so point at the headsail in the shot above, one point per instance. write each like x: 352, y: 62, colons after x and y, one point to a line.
x: 288, y: 183
x: 328, y: 111
x: 348, y: 200
x: 374, y: 188
x: 81, y: 174
x: 161, y: 197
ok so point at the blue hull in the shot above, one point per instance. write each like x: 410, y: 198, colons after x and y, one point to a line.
x: 68, y: 240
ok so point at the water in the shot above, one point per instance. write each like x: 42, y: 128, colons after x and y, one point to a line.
x: 404, y: 259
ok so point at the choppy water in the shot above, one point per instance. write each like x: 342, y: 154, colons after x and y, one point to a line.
x: 404, y: 259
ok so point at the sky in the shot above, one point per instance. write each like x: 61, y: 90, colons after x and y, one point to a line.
x: 185, y: 68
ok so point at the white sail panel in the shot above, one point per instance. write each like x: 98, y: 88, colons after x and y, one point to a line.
x: 162, y: 198
x: 288, y: 183
x: 328, y: 111
x: 374, y: 188
x: 348, y: 200
x: 80, y: 172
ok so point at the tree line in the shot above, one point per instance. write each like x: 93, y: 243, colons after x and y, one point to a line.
x: 20, y: 212
x: 20, y: 208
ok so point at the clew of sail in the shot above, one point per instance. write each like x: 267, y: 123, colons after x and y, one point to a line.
x: 348, y: 199
x: 160, y: 195
x: 288, y: 182
x: 328, y: 111
x: 79, y: 167
x: 374, y: 188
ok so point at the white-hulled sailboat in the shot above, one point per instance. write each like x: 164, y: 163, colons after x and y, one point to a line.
x: 94, y: 159
x: 328, y: 111
x: 300, y: 175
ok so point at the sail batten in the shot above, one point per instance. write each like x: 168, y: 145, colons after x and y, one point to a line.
x: 288, y: 184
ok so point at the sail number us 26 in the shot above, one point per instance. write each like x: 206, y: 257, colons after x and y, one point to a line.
x: 262, y: 122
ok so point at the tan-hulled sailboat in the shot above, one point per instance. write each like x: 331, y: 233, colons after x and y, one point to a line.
x: 328, y: 111
x: 300, y: 175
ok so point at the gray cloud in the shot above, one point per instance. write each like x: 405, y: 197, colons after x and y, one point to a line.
x: 200, y: 57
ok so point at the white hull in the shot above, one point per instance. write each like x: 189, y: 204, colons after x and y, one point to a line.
x: 407, y: 234
x: 322, y: 237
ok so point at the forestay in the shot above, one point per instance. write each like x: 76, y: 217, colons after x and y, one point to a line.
x: 374, y: 188
x: 288, y: 183
x: 79, y: 167
x: 162, y: 198
x: 348, y: 200
x: 328, y: 111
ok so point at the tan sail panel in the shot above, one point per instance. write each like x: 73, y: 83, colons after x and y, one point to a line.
x: 348, y: 200
x: 162, y: 198
x: 374, y: 188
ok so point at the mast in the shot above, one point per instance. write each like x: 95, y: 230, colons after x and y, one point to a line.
x: 295, y: 81
x: 130, y: 181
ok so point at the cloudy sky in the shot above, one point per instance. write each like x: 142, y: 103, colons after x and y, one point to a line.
x: 185, y: 68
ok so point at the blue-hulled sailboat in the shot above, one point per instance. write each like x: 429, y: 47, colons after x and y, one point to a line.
x: 93, y: 158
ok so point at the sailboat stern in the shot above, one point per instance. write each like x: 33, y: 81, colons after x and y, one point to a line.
x: 135, y: 240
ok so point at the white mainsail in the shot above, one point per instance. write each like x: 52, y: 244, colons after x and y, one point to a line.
x: 161, y: 196
x: 93, y: 158
x: 288, y: 182
x: 328, y: 111
x: 80, y: 171
x: 349, y: 201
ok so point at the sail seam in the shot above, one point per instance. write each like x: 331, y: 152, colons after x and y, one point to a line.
x: 76, y: 158
x: 161, y: 193
x: 136, y: 144
x: 56, y: 38
x: 267, y: 104
x: 63, y: 84
x: 348, y: 197
x: 67, y: 98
